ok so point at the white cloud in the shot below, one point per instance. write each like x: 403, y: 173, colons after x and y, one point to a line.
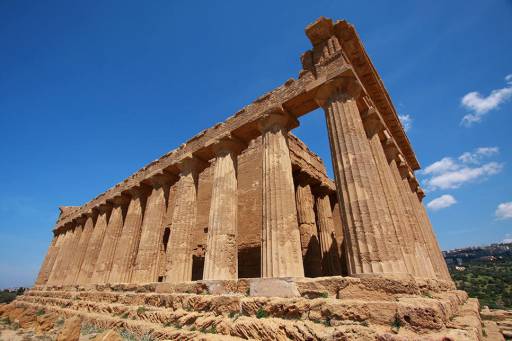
x: 450, y: 173
x: 480, y: 106
x: 441, y: 166
x: 443, y: 201
x: 456, y: 178
x: 406, y: 121
x: 504, y: 211
x: 476, y: 156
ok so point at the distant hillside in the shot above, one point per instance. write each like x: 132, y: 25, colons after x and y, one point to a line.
x: 485, y: 272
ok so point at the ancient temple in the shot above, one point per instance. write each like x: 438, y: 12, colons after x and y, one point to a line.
x: 246, y: 198
x: 239, y: 233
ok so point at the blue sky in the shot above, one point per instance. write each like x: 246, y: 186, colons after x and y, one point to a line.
x: 92, y: 91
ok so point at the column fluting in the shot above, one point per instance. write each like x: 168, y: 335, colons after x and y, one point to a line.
x: 221, y: 258
x: 146, y: 264
x: 281, y: 254
x: 328, y: 245
x: 179, y: 250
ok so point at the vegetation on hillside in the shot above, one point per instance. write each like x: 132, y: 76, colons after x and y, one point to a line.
x: 485, y: 275
x: 7, y: 296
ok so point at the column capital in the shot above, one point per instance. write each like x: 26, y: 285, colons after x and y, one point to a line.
x: 228, y: 144
x: 372, y: 121
x: 303, y: 178
x: 121, y: 199
x: 104, y: 207
x: 80, y: 220
x: 137, y: 190
x: 322, y: 190
x: 420, y: 193
x: 276, y: 118
x: 348, y: 85
x: 191, y: 164
x: 159, y: 179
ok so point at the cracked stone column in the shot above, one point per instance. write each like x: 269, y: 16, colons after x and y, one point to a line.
x: 398, y: 232
x: 426, y: 249
x: 179, y: 251
x: 281, y: 254
x: 442, y: 268
x: 221, y: 259
x: 416, y: 243
x: 311, y: 255
x: 49, y: 260
x: 94, y: 245
x: 112, y: 236
x: 128, y: 244
x: 87, y: 221
x: 328, y: 246
x: 370, y: 249
x: 59, y: 266
x: 146, y: 264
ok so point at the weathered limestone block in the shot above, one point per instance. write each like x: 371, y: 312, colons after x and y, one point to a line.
x: 128, y: 244
x: 369, y: 248
x: 146, y: 264
x: 112, y: 235
x: 311, y: 256
x: 179, y: 257
x: 94, y: 245
x: 88, y: 222
x: 281, y: 254
x: 330, y: 257
x: 221, y: 259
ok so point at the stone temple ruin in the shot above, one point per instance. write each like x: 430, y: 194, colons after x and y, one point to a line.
x: 242, y: 218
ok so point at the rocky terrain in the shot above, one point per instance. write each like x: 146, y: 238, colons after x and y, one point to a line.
x: 330, y: 308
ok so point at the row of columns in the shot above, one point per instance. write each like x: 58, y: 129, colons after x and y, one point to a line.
x: 386, y: 228
x: 387, y: 231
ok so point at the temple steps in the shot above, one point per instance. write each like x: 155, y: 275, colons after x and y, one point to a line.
x: 197, y: 311
x: 307, y: 309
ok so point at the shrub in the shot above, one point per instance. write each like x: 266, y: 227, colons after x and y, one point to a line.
x: 261, y: 313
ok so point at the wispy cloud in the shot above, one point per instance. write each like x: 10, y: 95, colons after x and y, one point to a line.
x: 504, y: 211
x: 450, y: 173
x: 406, y: 121
x: 441, y: 202
x: 479, y: 106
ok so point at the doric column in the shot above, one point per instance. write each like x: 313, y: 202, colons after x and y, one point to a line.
x: 179, y: 251
x: 423, y: 264
x: 94, y: 245
x: 329, y: 247
x: 58, y: 269
x: 281, y: 254
x: 221, y: 259
x: 61, y: 237
x: 398, y: 232
x: 87, y: 221
x: 311, y: 256
x: 146, y: 264
x: 112, y: 235
x: 128, y: 244
x: 70, y: 254
x: 369, y: 248
x: 48, y: 262
x: 441, y: 263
